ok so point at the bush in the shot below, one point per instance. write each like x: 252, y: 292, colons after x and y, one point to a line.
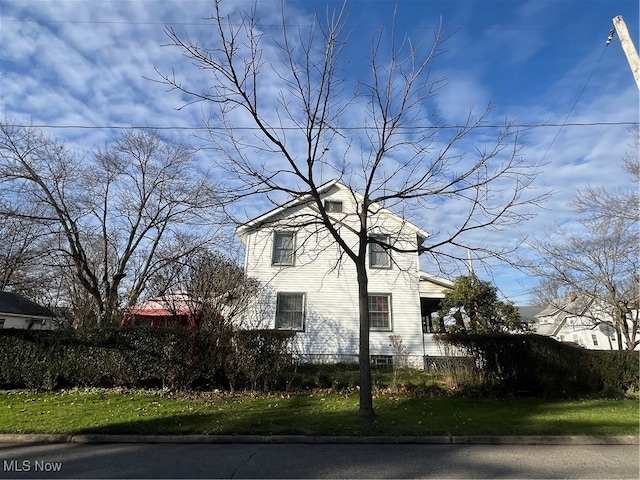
x: 258, y: 357
x: 534, y: 365
x: 140, y: 357
x: 338, y: 376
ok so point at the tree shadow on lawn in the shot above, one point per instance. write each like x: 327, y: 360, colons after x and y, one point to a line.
x: 480, y: 416
x: 299, y: 415
x: 296, y: 415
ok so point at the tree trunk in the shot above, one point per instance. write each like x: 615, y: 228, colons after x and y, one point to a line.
x: 366, y: 400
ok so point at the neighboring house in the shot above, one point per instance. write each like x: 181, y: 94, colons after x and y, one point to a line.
x: 572, y: 319
x: 528, y: 314
x: 17, y: 311
x: 171, y: 310
x: 311, y: 287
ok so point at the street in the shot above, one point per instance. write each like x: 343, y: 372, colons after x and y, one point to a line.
x: 137, y: 460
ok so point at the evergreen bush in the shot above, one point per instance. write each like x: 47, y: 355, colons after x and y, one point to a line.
x: 141, y: 357
x: 535, y: 365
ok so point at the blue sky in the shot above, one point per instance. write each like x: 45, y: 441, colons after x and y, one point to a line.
x: 71, y: 63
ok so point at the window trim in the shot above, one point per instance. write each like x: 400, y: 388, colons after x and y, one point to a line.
x: 304, y: 311
x: 333, y: 202
x: 274, y: 249
x: 389, y: 328
x: 382, y: 362
x: 386, y: 239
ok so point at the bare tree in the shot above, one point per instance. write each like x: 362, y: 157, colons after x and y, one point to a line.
x: 24, y: 244
x: 397, y: 155
x: 215, y: 288
x: 600, y: 257
x: 118, y: 216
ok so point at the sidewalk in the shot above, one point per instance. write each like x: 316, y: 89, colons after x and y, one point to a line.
x: 273, y: 439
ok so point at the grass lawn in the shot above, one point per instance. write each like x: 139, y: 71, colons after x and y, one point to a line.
x: 318, y: 413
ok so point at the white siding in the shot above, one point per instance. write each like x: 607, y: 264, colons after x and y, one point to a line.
x: 328, y: 279
x: 23, y: 322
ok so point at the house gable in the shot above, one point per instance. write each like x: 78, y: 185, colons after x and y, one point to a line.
x: 314, y: 290
x: 302, y: 210
x: 574, y: 319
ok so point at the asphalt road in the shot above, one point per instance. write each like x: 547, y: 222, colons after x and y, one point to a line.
x: 139, y: 460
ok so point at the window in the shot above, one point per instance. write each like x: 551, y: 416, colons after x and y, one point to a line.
x: 380, y: 312
x: 332, y: 206
x: 2, y: 322
x: 378, y: 255
x: 383, y: 362
x: 594, y: 338
x: 290, y: 311
x: 283, y: 248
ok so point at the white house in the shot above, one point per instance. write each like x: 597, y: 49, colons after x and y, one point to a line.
x: 17, y: 311
x: 311, y: 287
x: 573, y: 319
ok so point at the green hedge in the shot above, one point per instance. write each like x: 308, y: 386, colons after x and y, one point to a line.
x: 141, y: 357
x: 535, y: 365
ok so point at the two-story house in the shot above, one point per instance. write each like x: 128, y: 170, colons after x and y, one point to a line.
x: 580, y: 320
x: 310, y: 285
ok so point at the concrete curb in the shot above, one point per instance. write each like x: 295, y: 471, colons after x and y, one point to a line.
x: 282, y: 439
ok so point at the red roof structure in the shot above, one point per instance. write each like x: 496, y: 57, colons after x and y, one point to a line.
x: 177, y: 309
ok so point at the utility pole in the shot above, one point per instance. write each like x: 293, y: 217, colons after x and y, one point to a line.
x: 472, y: 274
x: 620, y: 28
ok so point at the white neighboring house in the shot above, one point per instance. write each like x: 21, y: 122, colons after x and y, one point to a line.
x: 17, y: 311
x: 571, y: 319
x: 311, y: 287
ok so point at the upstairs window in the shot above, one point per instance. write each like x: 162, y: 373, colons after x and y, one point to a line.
x: 290, y: 311
x: 283, y: 248
x: 380, y: 312
x: 332, y: 206
x: 378, y: 255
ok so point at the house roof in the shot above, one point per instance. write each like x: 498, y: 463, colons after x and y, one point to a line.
x: 427, y: 277
x: 177, y: 303
x: 530, y: 312
x: 20, y: 305
x: 566, y: 306
x: 550, y: 320
x: 322, y: 190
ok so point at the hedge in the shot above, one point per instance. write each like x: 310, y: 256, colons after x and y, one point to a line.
x: 535, y: 365
x: 142, y: 357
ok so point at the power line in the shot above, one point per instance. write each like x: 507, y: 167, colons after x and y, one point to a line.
x: 408, y: 129
x: 574, y: 105
x: 206, y: 21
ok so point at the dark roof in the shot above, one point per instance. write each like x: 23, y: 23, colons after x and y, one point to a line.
x: 20, y: 305
x: 528, y: 313
x: 566, y: 306
x: 558, y: 311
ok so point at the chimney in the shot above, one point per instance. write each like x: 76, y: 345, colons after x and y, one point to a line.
x: 573, y: 296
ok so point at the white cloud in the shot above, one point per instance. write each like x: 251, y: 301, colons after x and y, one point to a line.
x: 84, y: 63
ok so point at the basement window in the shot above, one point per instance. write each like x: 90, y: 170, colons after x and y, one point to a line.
x: 381, y: 362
